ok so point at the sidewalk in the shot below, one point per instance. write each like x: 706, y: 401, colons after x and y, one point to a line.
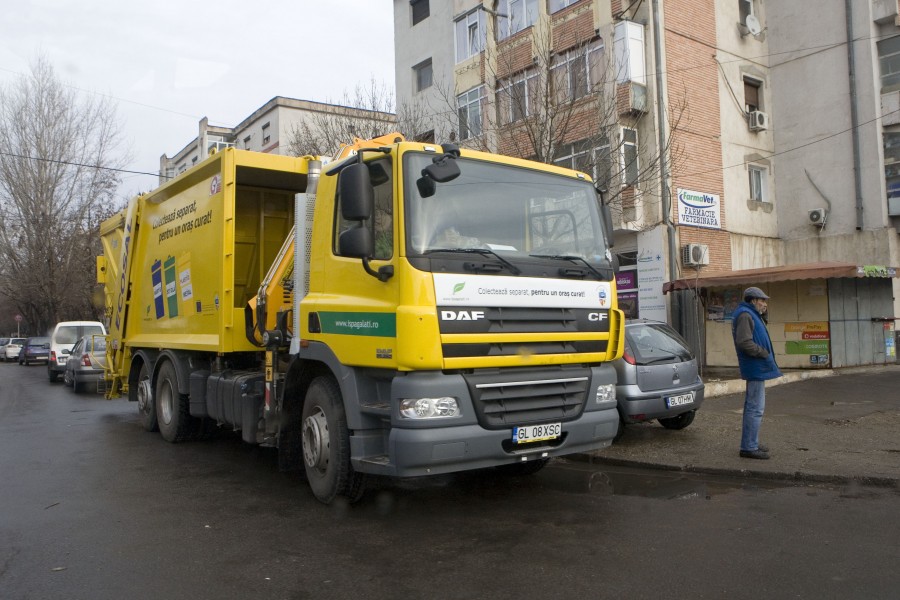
x: 831, y: 426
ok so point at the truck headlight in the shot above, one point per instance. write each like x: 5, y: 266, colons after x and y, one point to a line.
x: 429, y: 408
x: 606, y: 393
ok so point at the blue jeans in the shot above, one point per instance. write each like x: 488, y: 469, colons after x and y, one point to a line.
x: 754, y: 405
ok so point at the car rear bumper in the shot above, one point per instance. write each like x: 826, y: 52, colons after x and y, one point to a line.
x: 636, y: 406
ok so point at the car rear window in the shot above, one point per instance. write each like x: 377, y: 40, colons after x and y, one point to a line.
x: 655, y: 342
x: 38, y: 341
x: 66, y: 335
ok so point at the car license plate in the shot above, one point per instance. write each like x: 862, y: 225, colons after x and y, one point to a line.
x: 681, y: 400
x: 536, y: 433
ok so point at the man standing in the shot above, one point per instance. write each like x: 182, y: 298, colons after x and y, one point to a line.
x: 756, y: 359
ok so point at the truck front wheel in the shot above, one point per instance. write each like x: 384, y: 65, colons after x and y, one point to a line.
x: 326, y: 444
x: 172, y: 408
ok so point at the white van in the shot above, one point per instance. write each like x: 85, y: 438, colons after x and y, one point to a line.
x: 63, y: 338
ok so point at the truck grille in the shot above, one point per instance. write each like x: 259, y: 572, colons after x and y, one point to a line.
x: 536, y: 322
x: 503, y: 399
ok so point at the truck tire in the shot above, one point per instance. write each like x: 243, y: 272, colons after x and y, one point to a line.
x: 326, y: 444
x: 142, y: 393
x: 172, y: 408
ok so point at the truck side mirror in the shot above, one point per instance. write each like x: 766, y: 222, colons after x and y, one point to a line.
x: 356, y: 193
x: 356, y: 242
x: 441, y: 170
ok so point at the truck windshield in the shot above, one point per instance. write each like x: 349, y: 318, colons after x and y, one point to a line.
x: 511, y: 211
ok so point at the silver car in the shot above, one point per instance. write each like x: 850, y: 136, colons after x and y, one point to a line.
x: 658, y: 377
x: 86, y: 363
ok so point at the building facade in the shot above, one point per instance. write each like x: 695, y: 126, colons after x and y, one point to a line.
x: 732, y: 139
x: 268, y: 129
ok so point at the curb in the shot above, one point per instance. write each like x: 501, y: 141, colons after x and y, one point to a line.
x: 798, y: 476
x: 726, y: 387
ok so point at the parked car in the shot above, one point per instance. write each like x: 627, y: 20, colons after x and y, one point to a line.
x: 12, y: 349
x: 63, y: 338
x: 86, y: 362
x: 658, y: 377
x: 35, y: 349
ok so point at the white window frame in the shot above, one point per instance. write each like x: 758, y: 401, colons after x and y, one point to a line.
x: 469, y: 111
x: 758, y: 183
x: 418, y: 70
x: 514, y: 16
x: 512, y: 108
x: 576, y: 69
x: 630, y: 158
x: 471, y: 35
x: 578, y: 153
x: 554, y: 6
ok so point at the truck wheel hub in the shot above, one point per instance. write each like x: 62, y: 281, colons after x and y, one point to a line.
x: 316, y: 441
x: 145, y: 396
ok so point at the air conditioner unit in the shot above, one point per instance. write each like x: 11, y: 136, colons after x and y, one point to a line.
x: 818, y: 216
x: 695, y: 255
x: 759, y: 121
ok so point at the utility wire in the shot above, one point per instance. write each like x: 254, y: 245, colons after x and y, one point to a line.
x: 75, y: 164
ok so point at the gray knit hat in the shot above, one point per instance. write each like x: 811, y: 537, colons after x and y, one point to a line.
x: 754, y: 292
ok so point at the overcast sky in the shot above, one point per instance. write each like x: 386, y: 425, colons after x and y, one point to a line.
x: 169, y: 63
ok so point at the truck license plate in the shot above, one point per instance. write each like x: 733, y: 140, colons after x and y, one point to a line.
x: 536, y: 433
x: 673, y: 401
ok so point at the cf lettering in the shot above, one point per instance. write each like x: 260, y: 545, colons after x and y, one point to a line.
x: 597, y: 316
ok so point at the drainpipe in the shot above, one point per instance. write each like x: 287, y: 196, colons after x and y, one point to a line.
x: 664, y: 165
x: 854, y: 116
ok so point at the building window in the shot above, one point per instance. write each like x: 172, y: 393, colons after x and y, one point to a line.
x: 752, y: 94
x: 746, y: 9
x: 630, y: 166
x: 423, y: 75
x: 470, y: 35
x: 578, y: 72
x: 247, y: 142
x: 265, y: 134
x: 420, y: 10
x: 426, y: 137
x: 469, y: 111
x: 557, y: 5
x: 515, y: 15
x: 517, y: 96
x: 758, y: 178
x: 587, y: 156
x: 889, y: 61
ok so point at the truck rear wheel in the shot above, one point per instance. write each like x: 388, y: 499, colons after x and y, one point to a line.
x: 172, y: 408
x: 326, y: 444
x: 142, y: 393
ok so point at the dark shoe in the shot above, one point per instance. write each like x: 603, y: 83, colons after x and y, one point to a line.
x: 763, y: 448
x: 760, y: 454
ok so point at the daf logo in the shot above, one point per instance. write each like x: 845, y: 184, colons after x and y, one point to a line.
x: 461, y: 315
x: 597, y: 316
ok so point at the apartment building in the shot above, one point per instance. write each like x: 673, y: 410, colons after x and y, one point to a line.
x: 267, y: 129
x: 722, y: 134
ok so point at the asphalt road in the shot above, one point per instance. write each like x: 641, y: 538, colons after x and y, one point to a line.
x: 92, y: 507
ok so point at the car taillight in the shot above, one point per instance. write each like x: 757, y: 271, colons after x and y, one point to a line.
x: 627, y: 357
x: 86, y: 360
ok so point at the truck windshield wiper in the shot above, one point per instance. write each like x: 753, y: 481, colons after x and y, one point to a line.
x: 483, y: 252
x: 573, y: 258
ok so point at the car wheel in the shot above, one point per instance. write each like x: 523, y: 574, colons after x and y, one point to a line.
x: 679, y: 422
x: 67, y: 379
x: 76, y: 387
x: 172, y: 407
x: 52, y: 375
x: 326, y: 444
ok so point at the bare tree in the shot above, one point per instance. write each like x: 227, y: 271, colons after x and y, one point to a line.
x: 559, y: 96
x: 368, y: 112
x: 58, y: 155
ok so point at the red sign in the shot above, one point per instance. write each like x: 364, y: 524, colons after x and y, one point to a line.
x: 815, y: 335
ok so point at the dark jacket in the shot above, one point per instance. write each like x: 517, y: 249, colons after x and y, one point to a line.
x: 756, y: 358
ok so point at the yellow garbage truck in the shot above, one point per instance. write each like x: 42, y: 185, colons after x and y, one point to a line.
x: 408, y: 309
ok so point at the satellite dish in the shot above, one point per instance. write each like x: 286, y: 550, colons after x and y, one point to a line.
x: 752, y: 24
